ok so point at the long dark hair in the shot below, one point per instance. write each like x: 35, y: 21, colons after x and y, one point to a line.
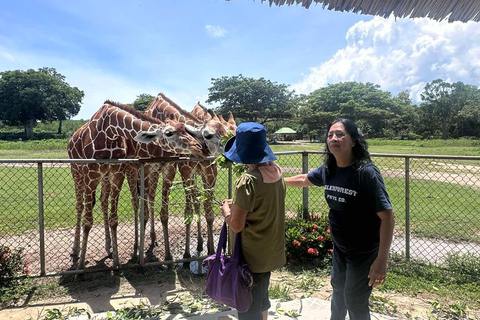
x: 361, y: 157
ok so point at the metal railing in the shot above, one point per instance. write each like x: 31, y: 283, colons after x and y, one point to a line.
x: 436, y: 200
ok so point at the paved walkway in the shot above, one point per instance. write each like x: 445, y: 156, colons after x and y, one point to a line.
x: 304, y: 309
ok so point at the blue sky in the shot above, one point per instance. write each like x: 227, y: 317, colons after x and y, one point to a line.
x: 119, y: 49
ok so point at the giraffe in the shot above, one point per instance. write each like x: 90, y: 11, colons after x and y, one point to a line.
x: 206, y: 114
x: 210, y: 132
x: 114, y: 132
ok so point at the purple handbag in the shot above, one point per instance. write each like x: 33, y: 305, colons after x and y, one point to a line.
x: 229, y: 280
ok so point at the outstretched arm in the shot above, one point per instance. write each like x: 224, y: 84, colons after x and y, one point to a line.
x: 300, y: 180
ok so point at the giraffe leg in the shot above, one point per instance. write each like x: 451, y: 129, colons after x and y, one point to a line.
x: 79, y: 193
x: 197, y: 205
x: 153, y: 176
x: 168, y: 176
x: 117, y: 177
x: 104, y: 194
x: 209, y: 178
x: 88, y: 217
x: 132, y: 175
x: 188, y: 180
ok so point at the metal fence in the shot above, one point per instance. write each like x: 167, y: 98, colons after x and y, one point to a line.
x: 436, y: 200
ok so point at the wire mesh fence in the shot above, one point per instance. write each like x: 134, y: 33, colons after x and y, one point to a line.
x: 436, y: 201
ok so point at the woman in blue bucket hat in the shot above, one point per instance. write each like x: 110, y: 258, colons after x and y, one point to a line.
x: 257, y: 210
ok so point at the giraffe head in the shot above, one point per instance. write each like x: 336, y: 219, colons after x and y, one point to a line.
x: 172, y: 137
x: 210, y: 133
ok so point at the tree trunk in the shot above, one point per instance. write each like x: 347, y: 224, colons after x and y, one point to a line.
x: 59, y: 131
x: 29, y: 128
x: 445, y: 127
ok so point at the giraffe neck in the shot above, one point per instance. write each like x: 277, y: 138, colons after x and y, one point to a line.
x: 163, y: 108
x: 109, y: 135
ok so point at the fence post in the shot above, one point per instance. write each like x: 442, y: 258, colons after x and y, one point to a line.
x: 41, y: 221
x: 305, y: 190
x: 407, y: 207
x: 142, y: 214
x: 230, y: 173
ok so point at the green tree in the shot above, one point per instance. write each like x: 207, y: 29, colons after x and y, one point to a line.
x: 444, y: 101
x: 362, y: 102
x: 64, y: 101
x: 468, y: 120
x: 30, y: 96
x: 259, y: 100
x: 405, y: 123
x: 438, y: 104
x: 142, y: 101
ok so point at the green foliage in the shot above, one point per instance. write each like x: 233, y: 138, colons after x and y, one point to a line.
x: 280, y: 291
x: 64, y: 313
x: 142, y: 101
x: 464, y: 268
x: 354, y: 100
x: 413, y: 277
x: 382, y: 305
x: 43, y: 130
x: 12, y: 274
x: 451, y: 311
x: 30, y: 96
x: 258, y: 100
x: 308, y: 240
x: 443, y: 102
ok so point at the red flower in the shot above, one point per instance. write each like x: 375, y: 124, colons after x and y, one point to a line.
x: 313, y: 230
x: 330, y: 250
x: 328, y: 231
x: 27, y: 272
x: 303, y: 238
x: 315, y: 226
x: 321, y: 238
x: 296, y: 243
x: 313, y: 251
x: 0, y: 264
x: 4, y: 256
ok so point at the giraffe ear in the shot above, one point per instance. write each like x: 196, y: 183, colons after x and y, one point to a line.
x: 147, y: 136
x: 195, y: 132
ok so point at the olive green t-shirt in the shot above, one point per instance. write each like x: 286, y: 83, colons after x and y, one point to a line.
x: 263, y: 238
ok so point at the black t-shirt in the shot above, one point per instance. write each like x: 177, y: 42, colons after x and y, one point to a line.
x: 354, y: 197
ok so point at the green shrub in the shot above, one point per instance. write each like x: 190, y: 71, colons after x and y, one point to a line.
x: 308, y: 240
x: 12, y: 274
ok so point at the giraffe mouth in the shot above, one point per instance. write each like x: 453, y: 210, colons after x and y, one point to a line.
x: 199, y: 151
x: 205, y: 150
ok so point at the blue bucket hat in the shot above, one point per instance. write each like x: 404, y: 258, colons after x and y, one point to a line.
x: 249, y: 146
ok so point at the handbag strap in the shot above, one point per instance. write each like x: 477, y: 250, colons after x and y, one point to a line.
x: 222, y: 244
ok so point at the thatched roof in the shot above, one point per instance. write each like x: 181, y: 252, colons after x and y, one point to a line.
x: 455, y: 10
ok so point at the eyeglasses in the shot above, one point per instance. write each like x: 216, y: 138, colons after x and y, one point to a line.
x: 339, y: 134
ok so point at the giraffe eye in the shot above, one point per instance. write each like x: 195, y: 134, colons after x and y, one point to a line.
x: 168, y: 133
x: 207, y: 135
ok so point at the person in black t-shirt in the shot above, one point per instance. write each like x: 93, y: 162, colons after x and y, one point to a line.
x: 361, y: 218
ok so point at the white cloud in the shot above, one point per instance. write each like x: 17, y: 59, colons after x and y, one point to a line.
x: 4, y: 54
x: 216, y: 31
x: 402, y: 54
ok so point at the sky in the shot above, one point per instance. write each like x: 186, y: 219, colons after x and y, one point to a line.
x: 120, y: 49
